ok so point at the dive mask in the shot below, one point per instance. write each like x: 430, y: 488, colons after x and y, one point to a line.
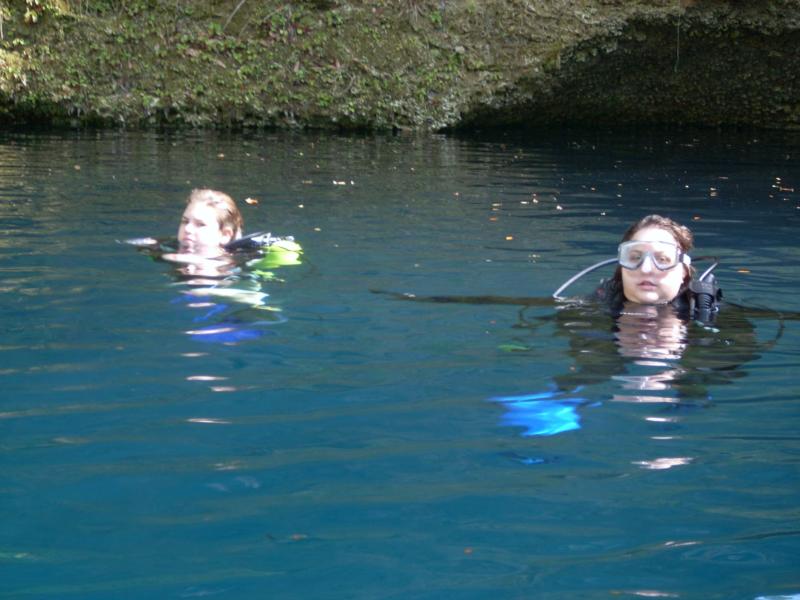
x: 664, y: 255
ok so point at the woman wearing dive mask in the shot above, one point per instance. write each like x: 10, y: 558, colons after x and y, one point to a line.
x: 653, y: 260
x: 654, y: 266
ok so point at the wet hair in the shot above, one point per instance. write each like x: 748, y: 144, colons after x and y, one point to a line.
x: 682, y: 234
x: 228, y: 215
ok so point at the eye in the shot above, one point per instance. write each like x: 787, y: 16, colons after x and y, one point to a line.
x: 663, y: 259
x: 635, y: 255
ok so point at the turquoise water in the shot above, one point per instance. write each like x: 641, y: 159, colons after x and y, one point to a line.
x: 353, y: 450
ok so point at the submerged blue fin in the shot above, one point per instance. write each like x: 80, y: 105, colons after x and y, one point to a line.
x: 545, y: 413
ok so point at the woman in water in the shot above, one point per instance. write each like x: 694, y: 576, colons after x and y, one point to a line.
x: 666, y: 333
x: 210, y: 221
x: 653, y: 267
x: 210, y: 242
x: 223, y: 271
x: 656, y: 303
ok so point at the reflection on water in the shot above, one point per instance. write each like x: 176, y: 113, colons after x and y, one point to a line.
x: 198, y: 270
x: 229, y: 306
x: 650, y: 348
x: 650, y: 332
x: 655, y: 337
x: 347, y: 449
x: 227, y: 293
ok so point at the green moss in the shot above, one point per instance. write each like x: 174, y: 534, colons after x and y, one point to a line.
x: 390, y: 63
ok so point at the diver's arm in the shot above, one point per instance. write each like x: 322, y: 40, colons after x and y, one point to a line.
x: 153, y: 247
x: 512, y: 300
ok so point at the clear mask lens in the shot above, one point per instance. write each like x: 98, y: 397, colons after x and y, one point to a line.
x: 663, y: 255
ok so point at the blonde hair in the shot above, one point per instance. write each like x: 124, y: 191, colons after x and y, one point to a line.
x: 228, y: 215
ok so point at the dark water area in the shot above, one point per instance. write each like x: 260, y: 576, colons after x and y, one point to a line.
x: 363, y: 446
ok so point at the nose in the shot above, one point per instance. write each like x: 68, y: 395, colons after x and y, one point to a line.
x: 647, y: 264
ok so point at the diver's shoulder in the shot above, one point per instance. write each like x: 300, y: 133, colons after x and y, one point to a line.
x: 262, y: 251
x: 262, y: 240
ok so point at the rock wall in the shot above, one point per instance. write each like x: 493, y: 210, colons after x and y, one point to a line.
x: 711, y: 65
x: 403, y: 64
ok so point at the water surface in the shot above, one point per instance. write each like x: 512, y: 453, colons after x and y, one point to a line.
x: 352, y: 450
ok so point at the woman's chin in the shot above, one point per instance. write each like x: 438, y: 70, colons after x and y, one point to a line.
x: 646, y: 297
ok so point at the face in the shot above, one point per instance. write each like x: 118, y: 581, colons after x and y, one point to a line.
x: 646, y: 284
x: 200, y: 233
